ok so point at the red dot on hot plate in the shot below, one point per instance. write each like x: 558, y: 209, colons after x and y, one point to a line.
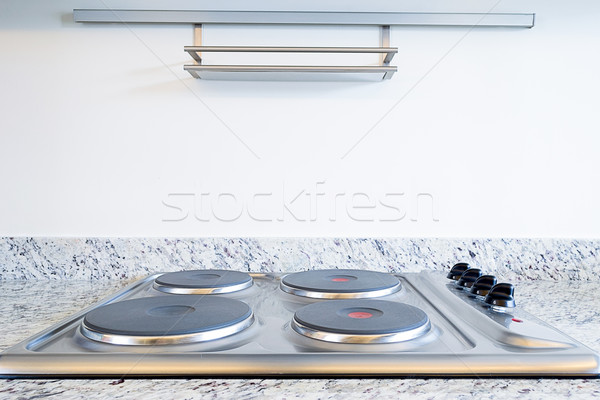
x: 360, y: 315
x: 340, y: 279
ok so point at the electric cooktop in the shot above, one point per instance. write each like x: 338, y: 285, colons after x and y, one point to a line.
x: 335, y: 322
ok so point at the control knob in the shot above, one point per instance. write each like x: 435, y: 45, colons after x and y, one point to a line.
x: 483, y: 284
x: 469, y: 277
x: 502, y: 295
x: 457, y: 270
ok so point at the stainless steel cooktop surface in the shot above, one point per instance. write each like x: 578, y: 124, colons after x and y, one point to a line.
x: 336, y: 322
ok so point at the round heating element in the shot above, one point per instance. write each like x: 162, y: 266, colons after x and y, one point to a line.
x: 167, y: 320
x: 209, y: 281
x: 361, y: 321
x: 340, y: 284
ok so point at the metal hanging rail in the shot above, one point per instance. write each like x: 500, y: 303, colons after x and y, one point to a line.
x: 382, y: 19
x: 518, y: 20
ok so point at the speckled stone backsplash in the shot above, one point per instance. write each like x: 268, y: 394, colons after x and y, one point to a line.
x: 128, y: 258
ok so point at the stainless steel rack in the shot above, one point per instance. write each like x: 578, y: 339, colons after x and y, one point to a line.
x: 276, y: 72
x: 383, y: 70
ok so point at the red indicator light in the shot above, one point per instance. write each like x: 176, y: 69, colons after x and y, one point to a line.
x: 517, y: 320
x: 360, y: 315
x: 340, y: 280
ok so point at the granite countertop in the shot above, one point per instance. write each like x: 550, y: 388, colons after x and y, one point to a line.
x: 28, y: 306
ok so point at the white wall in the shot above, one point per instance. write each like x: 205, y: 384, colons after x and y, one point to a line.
x: 102, y: 133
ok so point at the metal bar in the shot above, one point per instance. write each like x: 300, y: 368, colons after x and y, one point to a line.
x: 389, y: 74
x: 291, y: 68
x: 195, y: 51
x: 519, y: 20
x: 194, y: 74
x: 385, y: 43
x: 272, y: 49
x: 197, y: 55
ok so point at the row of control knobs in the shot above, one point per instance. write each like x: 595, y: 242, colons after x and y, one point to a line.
x: 496, y: 294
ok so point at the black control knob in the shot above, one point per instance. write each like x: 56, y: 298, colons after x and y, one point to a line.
x: 502, y: 295
x: 483, y: 284
x: 468, y: 278
x: 457, y: 271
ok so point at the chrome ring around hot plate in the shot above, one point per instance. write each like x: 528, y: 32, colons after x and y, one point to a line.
x: 340, y: 295
x: 166, y: 339
x: 213, y: 290
x: 393, y: 337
